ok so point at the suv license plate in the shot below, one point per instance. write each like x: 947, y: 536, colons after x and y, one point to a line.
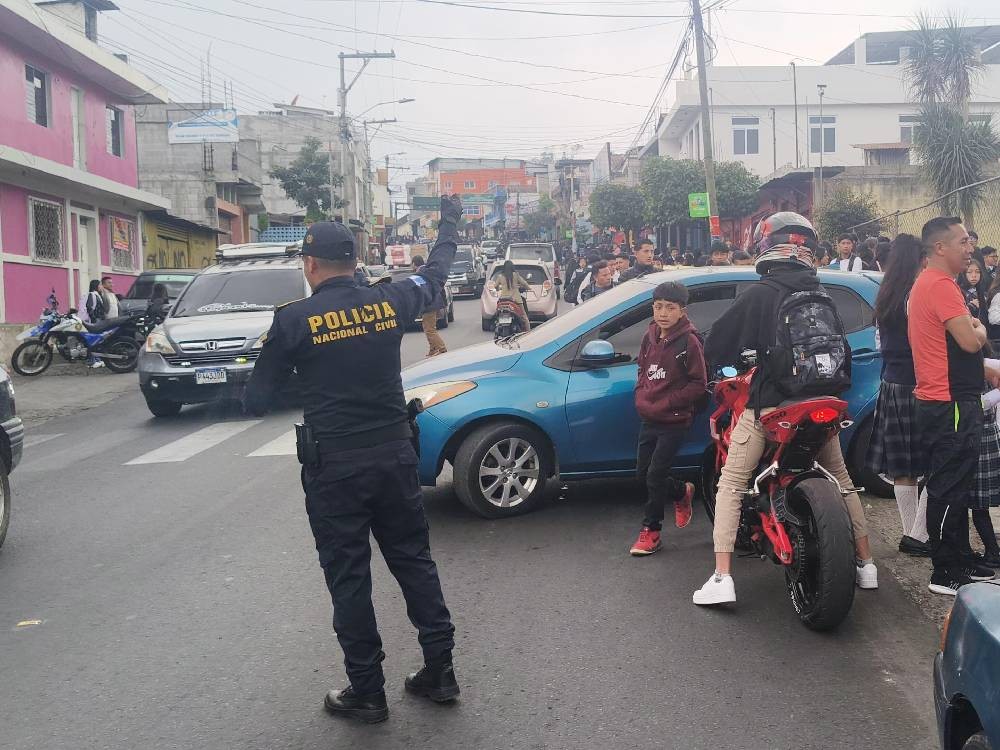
x: 210, y: 376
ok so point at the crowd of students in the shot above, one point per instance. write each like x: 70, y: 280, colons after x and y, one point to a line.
x: 935, y: 432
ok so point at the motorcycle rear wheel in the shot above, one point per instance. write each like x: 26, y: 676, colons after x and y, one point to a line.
x: 31, y: 358
x: 821, y: 581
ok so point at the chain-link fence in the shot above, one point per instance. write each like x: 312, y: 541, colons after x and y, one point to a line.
x: 986, y: 216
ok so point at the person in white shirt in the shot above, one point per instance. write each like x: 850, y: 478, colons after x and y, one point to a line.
x: 847, y: 261
x: 110, y: 298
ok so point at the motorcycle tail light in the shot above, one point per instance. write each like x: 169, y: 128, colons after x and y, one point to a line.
x: 823, y: 415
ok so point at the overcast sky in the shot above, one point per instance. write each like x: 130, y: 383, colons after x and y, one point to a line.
x: 507, y: 81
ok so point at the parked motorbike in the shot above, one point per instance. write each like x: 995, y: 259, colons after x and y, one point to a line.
x: 114, y: 341
x: 794, y: 514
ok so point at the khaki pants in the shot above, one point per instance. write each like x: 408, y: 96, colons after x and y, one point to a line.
x: 746, y: 448
x: 434, y: 341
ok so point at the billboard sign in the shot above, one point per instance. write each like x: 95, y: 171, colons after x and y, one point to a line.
x: 425, y: 203
x: 210, y: 126
x: 698, y: 205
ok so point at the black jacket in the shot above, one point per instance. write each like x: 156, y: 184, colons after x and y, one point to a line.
x: 635, y: 272
x: 344, y: 341
x: 749, y: 323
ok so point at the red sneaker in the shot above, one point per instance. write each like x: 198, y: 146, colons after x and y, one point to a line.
x: 682, y: 508
x: 647, y: 543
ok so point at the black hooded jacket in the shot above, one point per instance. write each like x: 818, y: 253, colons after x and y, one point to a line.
x: 750, y: 324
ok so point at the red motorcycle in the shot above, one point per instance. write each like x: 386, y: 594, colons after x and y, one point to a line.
x: 794, y: 514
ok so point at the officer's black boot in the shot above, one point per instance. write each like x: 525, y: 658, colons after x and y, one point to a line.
x: 370, y: 709
x: 434, y: 681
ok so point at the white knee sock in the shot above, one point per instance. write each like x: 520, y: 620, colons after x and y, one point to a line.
x: 919, y: 529
x: 906, y: 501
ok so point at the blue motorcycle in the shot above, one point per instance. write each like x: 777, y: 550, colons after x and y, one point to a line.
x: 111, y: 341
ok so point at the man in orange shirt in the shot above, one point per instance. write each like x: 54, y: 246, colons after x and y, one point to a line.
x: 948, y: 362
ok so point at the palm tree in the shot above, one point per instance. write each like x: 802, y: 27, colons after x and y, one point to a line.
x: 944, y: 63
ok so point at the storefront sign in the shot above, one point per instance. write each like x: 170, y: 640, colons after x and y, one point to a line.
x: 210, y: 126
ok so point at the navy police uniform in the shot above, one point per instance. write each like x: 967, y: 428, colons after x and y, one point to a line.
x: 360, y: 471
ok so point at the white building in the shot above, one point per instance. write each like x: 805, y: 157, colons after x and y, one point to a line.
x: 866, y: 100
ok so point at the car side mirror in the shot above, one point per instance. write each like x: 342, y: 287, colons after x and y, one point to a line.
x: 729, y: 372
x: 597, y: 353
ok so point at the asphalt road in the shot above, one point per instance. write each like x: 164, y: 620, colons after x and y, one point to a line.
x: 171, y: 569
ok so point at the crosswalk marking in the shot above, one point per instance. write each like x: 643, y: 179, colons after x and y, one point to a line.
x: 193, y: 444
x: 283, y: 445
x: 33, y: 440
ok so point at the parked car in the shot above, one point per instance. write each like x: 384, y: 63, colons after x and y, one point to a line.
x: 536, y: 402
x: 206, y: 348
x: 542, y: 305
x: 543, y: 251
x: 11, y: 447
x: 966, y: 692
x: 467, y: 274
x: 138, y: 296
x: 490, y: 249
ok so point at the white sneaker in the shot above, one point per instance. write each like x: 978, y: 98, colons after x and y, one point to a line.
x: 98, y: 363
x: 719, y: 589
x: 867, y: 576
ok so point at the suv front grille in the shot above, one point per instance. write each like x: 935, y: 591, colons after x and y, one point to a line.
x: 209, y: 358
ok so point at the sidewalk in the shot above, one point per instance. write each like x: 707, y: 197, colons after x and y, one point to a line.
x: 66, y: 389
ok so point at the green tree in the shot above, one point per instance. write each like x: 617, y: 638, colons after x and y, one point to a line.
x: 737, y: 188
x: 544, y: 218
x: 616, y: 206
x: 666, y: 183
x: 953, y: 152
x: 844, y: 209
x: 307, y: 180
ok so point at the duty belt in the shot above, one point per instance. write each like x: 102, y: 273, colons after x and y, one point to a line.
x: 366, y: 439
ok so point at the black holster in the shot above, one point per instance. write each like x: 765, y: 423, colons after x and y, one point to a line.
x: 306, y: 447
x: 413, y: 409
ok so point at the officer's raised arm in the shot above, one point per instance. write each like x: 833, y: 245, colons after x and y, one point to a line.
x: 420, y: 290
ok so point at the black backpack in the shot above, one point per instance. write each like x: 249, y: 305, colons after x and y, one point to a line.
x: 810, y: 355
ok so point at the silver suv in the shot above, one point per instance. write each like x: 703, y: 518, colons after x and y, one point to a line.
x: 206, y: 348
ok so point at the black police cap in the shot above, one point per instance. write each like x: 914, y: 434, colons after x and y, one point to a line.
x: 330, y: 240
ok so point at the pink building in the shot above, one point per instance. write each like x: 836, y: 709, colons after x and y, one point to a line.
x: 69, y: 198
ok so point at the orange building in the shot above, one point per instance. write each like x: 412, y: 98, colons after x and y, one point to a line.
x: 483, y: 181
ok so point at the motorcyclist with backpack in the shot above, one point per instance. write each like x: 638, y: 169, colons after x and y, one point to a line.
x: 770, y: 317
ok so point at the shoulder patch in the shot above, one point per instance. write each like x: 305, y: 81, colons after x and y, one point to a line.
x: 418, y: 280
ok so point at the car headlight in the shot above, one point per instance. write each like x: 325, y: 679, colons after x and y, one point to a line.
x: 259, y: 343
x: 158, y: 343
x: 433, y: 394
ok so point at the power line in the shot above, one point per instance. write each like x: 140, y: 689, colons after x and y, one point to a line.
x: 550, y: 12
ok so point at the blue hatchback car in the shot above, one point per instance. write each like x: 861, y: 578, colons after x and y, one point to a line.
x: 510, y: 416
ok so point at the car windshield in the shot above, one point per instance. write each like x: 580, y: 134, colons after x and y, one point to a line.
x: 143, y: 286
x: 461, y: 266
x: 239, y: 291
x: 531, y: 252
x: 532, y: 274
x: 464, y: 256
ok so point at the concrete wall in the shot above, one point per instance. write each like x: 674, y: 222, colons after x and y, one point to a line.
x: 55, y: 142
x: 170, y: 246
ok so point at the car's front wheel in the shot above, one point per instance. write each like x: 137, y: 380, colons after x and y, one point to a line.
x: 501, y: 470
x: 451, y: 312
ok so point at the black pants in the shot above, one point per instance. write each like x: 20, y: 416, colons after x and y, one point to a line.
x: 375, y: 490
x: 658, y: 445
x: 950, y: 433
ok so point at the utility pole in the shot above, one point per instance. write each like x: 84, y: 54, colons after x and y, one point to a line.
x: 347, y: 176
x: 821, y: 87
x: 706, y: 131
x: 774, y: 140
x: 795, y: 104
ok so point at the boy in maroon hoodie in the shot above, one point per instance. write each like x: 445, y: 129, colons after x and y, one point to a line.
x: 671, y: 381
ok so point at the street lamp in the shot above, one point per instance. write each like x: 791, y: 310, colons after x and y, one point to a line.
x: 821, y: 87
x: 379, y: 104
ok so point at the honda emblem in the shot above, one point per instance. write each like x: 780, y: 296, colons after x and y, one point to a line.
x: 211, y: 345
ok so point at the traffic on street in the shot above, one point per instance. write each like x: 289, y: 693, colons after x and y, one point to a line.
x: 444, y: 374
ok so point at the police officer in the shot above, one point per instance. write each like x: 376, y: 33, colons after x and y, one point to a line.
x: 359, y: 464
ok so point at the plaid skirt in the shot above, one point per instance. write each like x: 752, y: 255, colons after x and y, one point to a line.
x: 986, y: 491
x: 894, y: 448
